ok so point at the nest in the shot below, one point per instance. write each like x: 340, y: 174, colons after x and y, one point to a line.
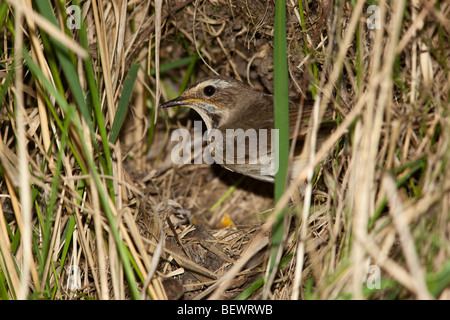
x: 375, y: 225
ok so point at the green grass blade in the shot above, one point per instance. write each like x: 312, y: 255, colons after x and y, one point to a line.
x: 281, y: 96
x: 98, y: 114
x: 5, y: 86
x: 3, y: 12
x: 123, y: 103
x: 173, y: 65
x: 36, y: 71
x: 244, y: 295
x: 3, y: 287
x: 54, y: 193
x: 312, y: 66
x: 281, y: 119
x: 251, y: 289
x: 189, y: 72
x: 227, y: 194
x: 438, y: 281
x: 96, y: 177
x: 69, y: 70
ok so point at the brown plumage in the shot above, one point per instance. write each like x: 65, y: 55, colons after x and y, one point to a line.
x: 226, y: 103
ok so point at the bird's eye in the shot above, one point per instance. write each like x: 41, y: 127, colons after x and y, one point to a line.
x: 209, y: 91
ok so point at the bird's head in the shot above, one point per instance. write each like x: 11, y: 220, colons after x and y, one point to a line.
x: 218, y: 100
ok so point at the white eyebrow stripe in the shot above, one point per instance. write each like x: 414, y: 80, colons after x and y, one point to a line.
x: 222, y: 83
x: 218, y: 83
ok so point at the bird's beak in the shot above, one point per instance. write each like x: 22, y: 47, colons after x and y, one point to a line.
x: 175, y: 102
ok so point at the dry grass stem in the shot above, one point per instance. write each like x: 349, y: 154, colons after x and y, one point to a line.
x: 86, y: 216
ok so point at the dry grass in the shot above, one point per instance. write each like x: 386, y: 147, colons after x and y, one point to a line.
x: 135, y: 225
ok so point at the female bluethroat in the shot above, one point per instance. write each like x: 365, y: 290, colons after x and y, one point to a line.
x: 234, y: 113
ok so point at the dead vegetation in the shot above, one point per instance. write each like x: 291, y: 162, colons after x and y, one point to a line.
x: 378, y: 224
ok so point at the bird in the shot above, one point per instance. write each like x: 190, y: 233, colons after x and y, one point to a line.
x: 233, y: 112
